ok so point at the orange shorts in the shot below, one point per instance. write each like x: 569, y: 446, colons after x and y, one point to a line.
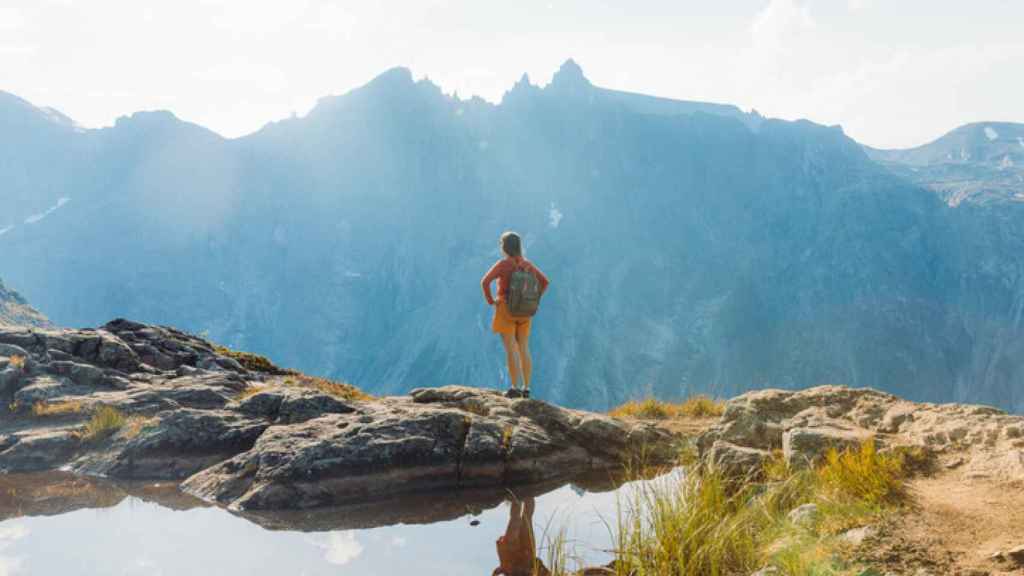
x: 505, y: 324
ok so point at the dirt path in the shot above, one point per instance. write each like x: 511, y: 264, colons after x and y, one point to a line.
x: 955, y: 527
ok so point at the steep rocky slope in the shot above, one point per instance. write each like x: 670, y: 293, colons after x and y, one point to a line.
x: 733, y: 251
x: 133, y: 401
x: 980, y: 163
x: 16, y: 311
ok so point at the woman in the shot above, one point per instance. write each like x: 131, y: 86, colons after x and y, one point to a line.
x: 514, y: 331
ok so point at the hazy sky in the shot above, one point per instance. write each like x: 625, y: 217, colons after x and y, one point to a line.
x: 892, y: 73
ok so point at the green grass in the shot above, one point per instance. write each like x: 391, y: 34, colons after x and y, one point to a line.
x: 105, y: 422
x: 700, y: 406
x: 701, y: 524
x: 864, y: 475
x: 692, y: 527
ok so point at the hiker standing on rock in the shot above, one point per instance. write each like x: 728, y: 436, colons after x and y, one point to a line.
x: 520, y: 287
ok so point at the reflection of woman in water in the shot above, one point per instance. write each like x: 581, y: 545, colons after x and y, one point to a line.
x: 517, y: 548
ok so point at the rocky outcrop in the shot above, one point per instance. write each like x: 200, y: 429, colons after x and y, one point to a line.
x: 271, y: 438
x: 434, y: 439
x: 16, y: 311
x: 980, y: 441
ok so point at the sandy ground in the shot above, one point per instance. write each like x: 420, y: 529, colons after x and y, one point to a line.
x: 954, y: 528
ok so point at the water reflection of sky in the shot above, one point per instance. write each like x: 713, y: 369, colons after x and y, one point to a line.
x: 141, y: 538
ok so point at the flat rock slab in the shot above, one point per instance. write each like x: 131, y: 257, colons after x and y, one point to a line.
x: 440, y: 438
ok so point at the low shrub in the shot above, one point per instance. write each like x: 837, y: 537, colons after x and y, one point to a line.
x: 105, y: 421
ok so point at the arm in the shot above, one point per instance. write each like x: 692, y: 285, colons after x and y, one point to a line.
x: 493, y: 273
x: 541, y: 278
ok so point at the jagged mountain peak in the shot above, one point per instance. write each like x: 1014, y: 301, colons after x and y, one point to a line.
x: 397, y: 77
x: 569, y: 78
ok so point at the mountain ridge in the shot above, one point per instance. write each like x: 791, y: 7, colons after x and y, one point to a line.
x: 350, y: 242
x: 16, y: 311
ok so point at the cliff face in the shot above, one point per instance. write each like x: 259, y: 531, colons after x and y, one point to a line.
x: 692, y: 248
x: 16, y: 311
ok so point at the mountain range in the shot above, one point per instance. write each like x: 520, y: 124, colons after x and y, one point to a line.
x: 692, y: 247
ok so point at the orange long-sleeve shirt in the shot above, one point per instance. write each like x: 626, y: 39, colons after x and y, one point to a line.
x: 502, y: 271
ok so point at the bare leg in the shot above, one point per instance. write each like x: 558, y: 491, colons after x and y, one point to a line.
x: 512, y: 356
x: 523, y: 346
x: 515, y: 518
x: 529, y: 505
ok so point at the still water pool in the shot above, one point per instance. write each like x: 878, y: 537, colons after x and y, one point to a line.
x: 63, y: 525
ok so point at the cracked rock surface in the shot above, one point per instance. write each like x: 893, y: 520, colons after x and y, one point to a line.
x: 254, y: 440
x: 980, y: 442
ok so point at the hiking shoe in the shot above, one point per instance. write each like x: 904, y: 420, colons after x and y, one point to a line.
x: 525, y: 393
x: 513, y: 393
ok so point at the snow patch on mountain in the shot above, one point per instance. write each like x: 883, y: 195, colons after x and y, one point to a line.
x: 37, y: 217
x: 990, y: 133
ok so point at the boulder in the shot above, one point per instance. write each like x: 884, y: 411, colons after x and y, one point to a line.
x: 10, y: 378
x: 806, y: 446
x: 978, y: 440
x: 735, y: 461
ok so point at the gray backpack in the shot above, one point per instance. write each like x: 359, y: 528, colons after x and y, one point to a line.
x: 523, y: 293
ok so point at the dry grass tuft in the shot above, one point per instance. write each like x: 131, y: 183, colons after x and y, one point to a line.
x: 342, y: 390
x: 250, y: 391
x: 105, y: 421
x: 253, y: 362
x: 700, y: 406
x: 17, y: 362
x: 864, y: 475
x: 691, y: 526
x: 134, y: 425
x: 57, y: 408
x: 701, y: 524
